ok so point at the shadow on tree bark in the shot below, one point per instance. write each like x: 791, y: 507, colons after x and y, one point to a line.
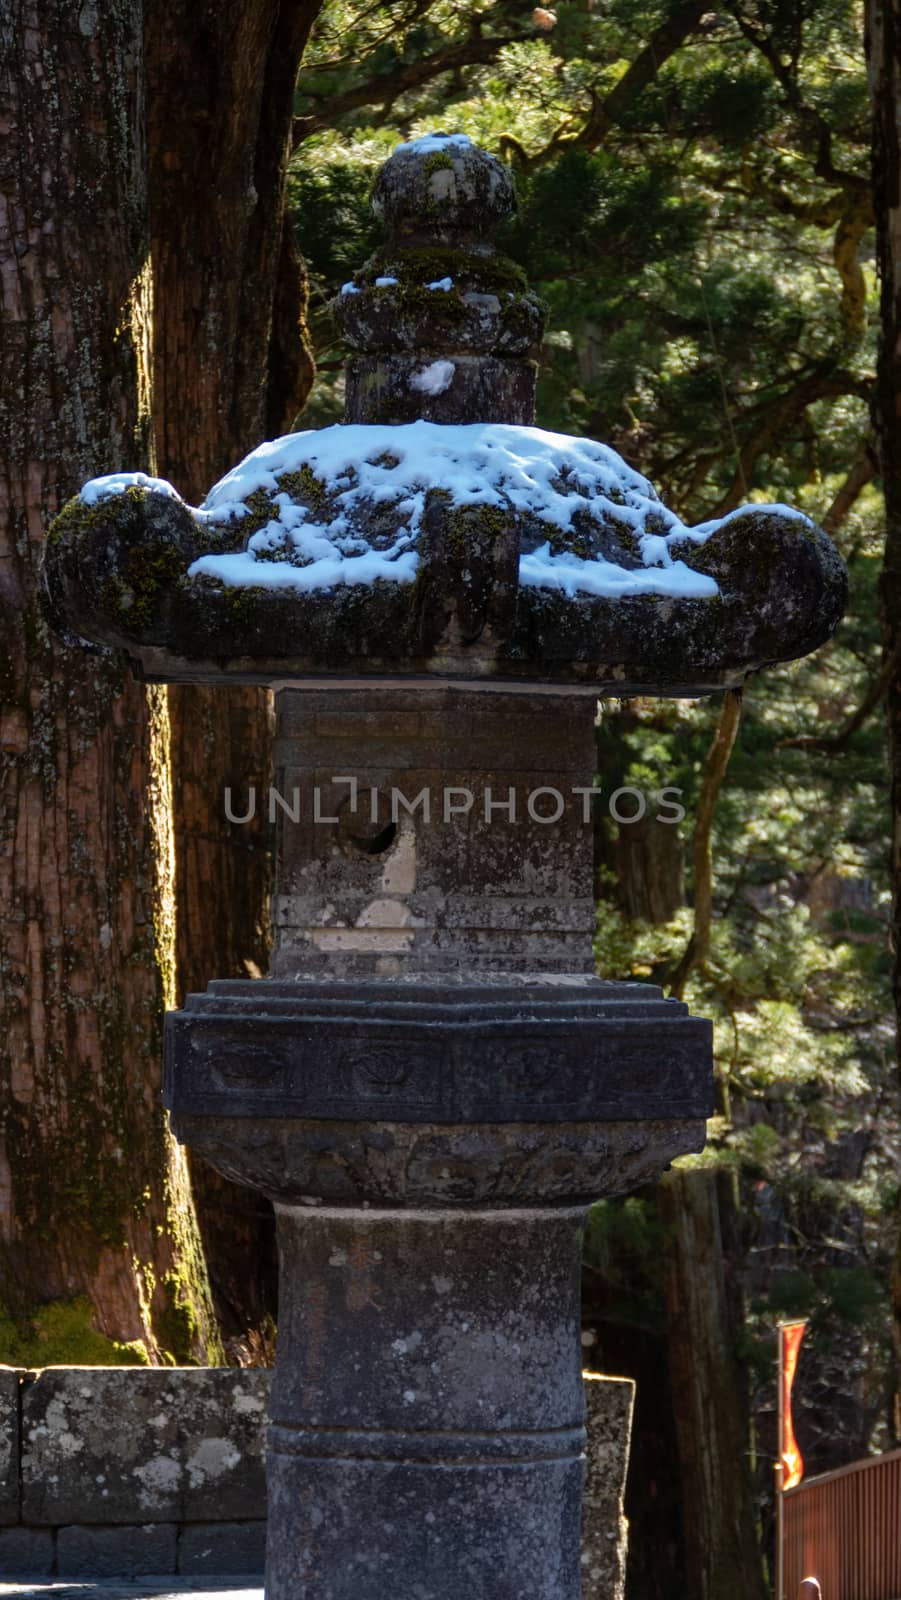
x: 232, y: 365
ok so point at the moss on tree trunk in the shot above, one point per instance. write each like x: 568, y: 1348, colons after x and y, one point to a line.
x: 232, y: 365
x: 95, y: 1209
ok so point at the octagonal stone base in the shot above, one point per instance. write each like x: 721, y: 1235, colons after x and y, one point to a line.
x: 426, y: 1093
x: 432, y: 1143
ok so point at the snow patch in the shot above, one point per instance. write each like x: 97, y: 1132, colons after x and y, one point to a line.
x: 349, y: 288
x: 429, y: 142
x: 574, y: 574
x: 527, y: 471
x: 441, y: 283
x: 385, y: 283
x: 703, y: 530
x: 433, y: 379
x: 117, y: 483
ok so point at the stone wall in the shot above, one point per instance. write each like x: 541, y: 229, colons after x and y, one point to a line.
x: 117, y: 1472
x: 121, y: 1472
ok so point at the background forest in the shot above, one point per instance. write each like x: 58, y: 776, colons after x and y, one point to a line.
x: 696, y: 208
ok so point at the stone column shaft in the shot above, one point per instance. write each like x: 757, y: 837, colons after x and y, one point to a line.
x: 427, y: 1434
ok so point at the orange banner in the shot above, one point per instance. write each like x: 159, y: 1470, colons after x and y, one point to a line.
x: 790, y: 1336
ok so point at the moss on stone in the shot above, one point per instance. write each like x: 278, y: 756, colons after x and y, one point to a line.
x: 258, y: 513
x: 303, y: 486
x: 437, y: 161
x: 150, y: 571
x: 243, y: 604
x: 78, y: 520
x: 417, y: 266
x: 60, y: 1333
x: 515, y: 317
x: 463, y: 523
x: 566, y: 541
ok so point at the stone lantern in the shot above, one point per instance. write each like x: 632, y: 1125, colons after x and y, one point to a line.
x: 432, y: 1085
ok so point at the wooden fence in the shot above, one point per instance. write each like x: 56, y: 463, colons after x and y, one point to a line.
x: 845, y: 1529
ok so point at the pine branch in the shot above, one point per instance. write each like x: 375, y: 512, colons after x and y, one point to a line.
x: 643, y: 71
x: 832, y: 745
x: 862, y: 472
x: 811, y: 121
x: 827, y: 383
x: 472, y: 51
x: 477, y: 50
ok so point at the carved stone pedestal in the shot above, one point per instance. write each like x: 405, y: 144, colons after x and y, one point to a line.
x: 432, y: 1088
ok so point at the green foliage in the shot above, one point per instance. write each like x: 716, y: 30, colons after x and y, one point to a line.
x: 686, y: 253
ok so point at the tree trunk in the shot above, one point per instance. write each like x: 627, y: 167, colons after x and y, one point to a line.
x: 232, y: 365
x: 649, y: 874
x: 631, y: 1348
x: 721, y: 1550
x: 883, y: 36
x: 95, y: 1207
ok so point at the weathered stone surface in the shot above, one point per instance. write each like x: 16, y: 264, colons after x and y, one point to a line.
x: 488, y: 312
x: 438, y: 288
x: 609, y: 1403
x: 119, y: 577
x: 10, y: 1379
x: 439, y: 1054
x: 116, y: 1552
x: 490, y: 1067
x: 427, y: 1407
x: 443, y: 332
x: 341, y: 1163
x: 131, y: 1446
x: 222, y: 1547
x: 384, y: 389
x: 412, y: 831
x: 471, y: 1079
x: 567, y: 1094
x: 443, y: 187
x: 26, y: 1553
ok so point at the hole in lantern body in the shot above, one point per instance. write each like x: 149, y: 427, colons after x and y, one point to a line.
x: 365, y: 821
x: 374, y: 844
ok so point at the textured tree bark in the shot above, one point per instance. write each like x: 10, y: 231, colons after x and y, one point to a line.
x: 232, y: 365
x: 883, y: 36
x: 649, y: 875
x: 94, y: 1198
x: 721, y: 1551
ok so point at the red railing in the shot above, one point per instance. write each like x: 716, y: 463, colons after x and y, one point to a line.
x: 844, y: 1528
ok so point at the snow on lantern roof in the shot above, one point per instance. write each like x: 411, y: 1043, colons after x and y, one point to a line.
x: 428, y: 143
x: 437, y: 533
x: 562, y: 490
